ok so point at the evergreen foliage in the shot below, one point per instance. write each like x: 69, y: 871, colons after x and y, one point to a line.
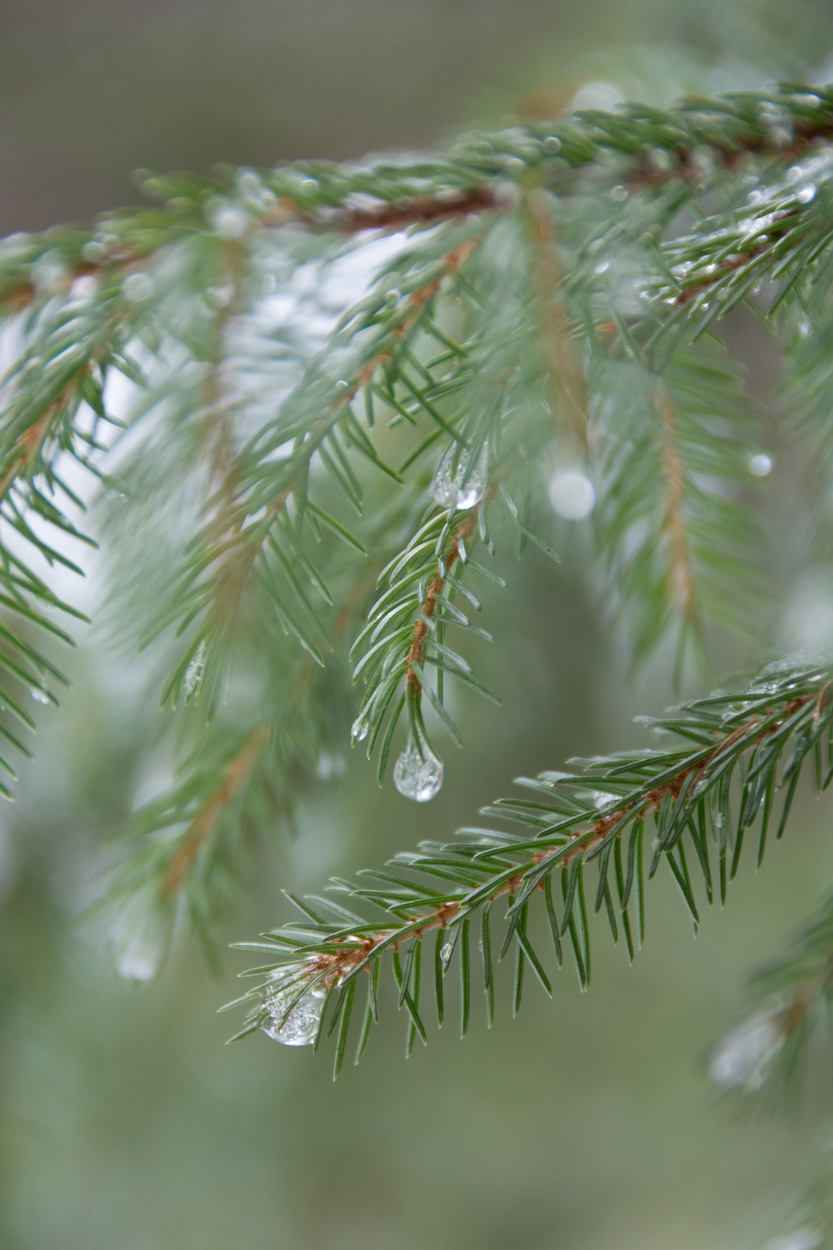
x: 312, y: 404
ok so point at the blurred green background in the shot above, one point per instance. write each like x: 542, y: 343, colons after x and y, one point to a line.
x: 586, y: 1124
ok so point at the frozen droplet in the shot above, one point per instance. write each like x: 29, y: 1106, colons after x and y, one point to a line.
x: 194, y: 672
x: 446, y: 952
x: 137, y: 287
x: 418, y: 774
x: 40, y: 694
x: 229, y: 221
x: 294, y: 1015
x: 806, y: 193
x: 743, y: 1059
x: 760, y: 464
x: 360, y: 729
x: 460, y: 485
x: 572, y: 494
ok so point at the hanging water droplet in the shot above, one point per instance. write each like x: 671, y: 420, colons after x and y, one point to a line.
x: 463, y: 486
x: 330, y: 766
x: 139, y: 938
x: 40, y: 694
x: 446, y: 952
x: 294, y: 1017
x: 417, y: 774
x: 742, y: 1060
x: 806, y: 193
x: 359, y: 729
x: 572, y: 494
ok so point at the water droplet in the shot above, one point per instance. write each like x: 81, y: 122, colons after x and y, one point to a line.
x: 760, y: 464
x: 194, y: 672
x: 601, y: 798
x: 40, y: 694
x: 572, y: 494
x: 360, y: 729
x: 620, y: 194
x: 330, y: 766
x: 597, y: 95
x: 552, y: 144
x: 417, y: 774
x: 446, y: 952
x: 742, y: 1060
x: 294, y: 1016
x: 137, y: 287
x: 602, y: 266
x: 139, y: 938
x: 806, y: 193
x: 464, y: 486
x: 83, y: 288
x: 229, y: 221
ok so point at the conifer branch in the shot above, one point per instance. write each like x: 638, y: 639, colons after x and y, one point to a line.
x: 747, y: 748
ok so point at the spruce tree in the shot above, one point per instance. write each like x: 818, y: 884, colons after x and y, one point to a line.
x: 313, y: 406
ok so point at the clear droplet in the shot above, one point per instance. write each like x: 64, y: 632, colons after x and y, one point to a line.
x: 806, y: 193
x: 743, y: 1059
x: 294, y: 1017
x: 552, y: 144
x: 194, y: 672
x: 463, y: 486
x: 602, y: 266
x: 572, y: 494
x: 760, y: 464
x: 602, y: 798
x: 417, y: 774
x: 40, y: 694
x: 137, y: 287
x: 139, y: 937
x: 446, y: 952
x: 360, y: 729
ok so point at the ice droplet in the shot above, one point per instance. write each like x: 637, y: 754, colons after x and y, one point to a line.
x: 359, y: 729
x: 463, y: 486
x: 572, y: 494
x: 743, y: 1058
x: 417, y: 774
x: 293, y: 1017
x: 40, y: 694
x: 194, y: 672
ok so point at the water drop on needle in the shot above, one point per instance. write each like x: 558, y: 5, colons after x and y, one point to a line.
x: 463, y: 486
x: 294, y: 1014
x: 360, y: 729
x: 446, y: 952
x: 418, y: 774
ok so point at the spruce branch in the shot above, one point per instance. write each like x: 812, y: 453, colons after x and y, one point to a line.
x: 624, y: 813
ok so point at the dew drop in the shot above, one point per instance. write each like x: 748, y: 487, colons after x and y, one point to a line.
x: 602, y: 798
x: 293, y: 1019
x: 619, y: 193
x: 572, y: 494
x: 446, y: 952
x: 463, y: 485
x: 806, y: 193
x: 40, y: 694
x: 330, y: 766
x: 359, y: 729
x: 552, y: 144
x: 602, y: 266
x: 418, y: 774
